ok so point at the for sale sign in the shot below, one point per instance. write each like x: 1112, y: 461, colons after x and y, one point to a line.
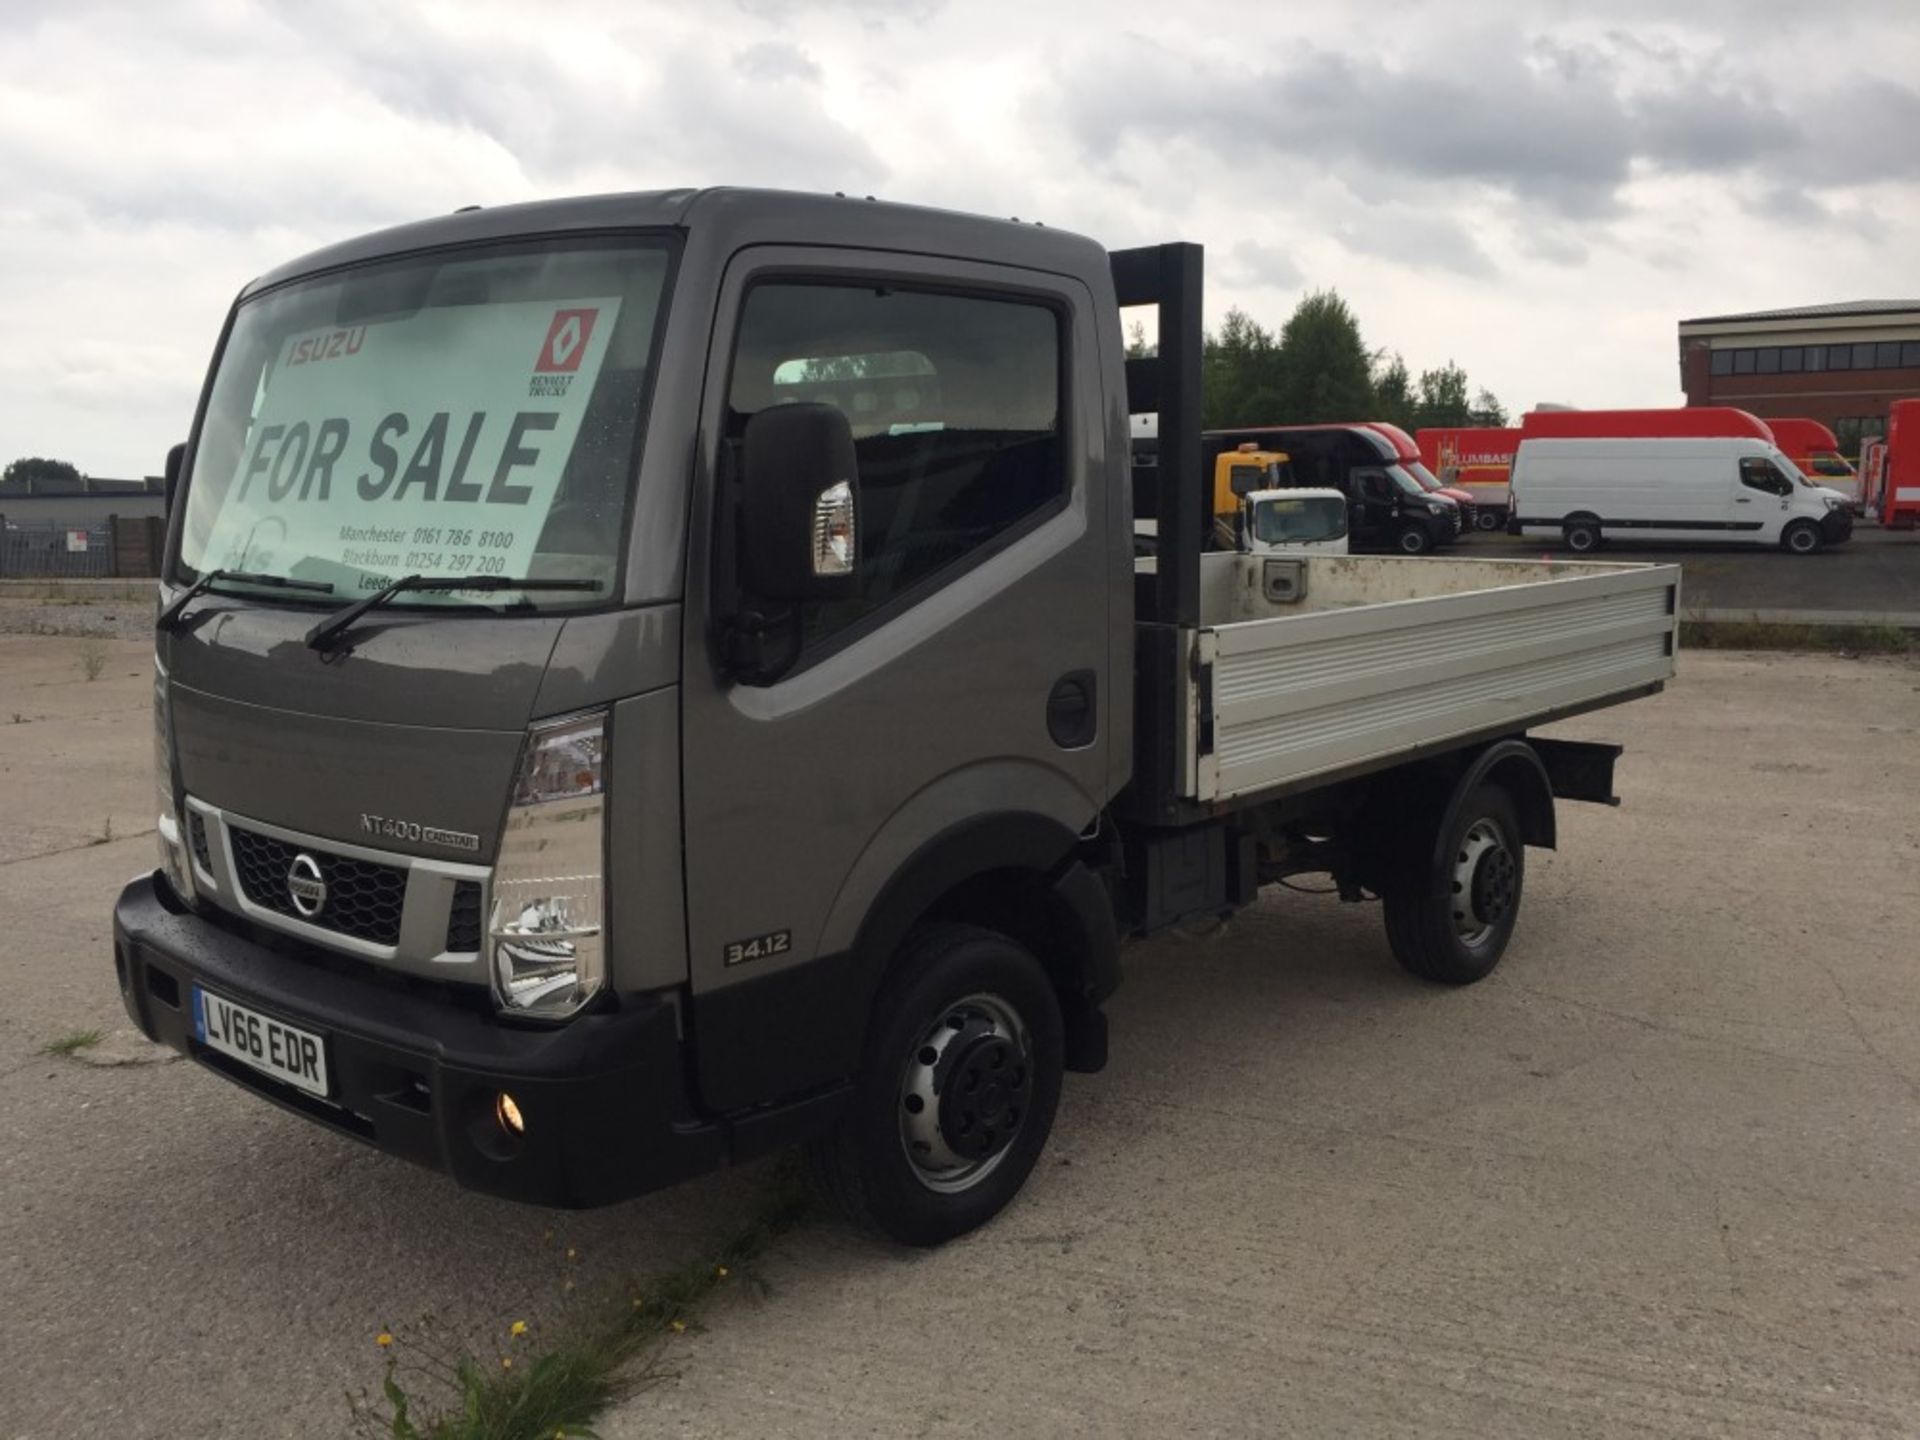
x: 431, y: 444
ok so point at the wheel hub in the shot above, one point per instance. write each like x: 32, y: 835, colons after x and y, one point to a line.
x: 965, y: 1092
x: 1485, y: 882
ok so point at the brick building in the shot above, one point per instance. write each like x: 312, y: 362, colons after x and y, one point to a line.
x: 1839, y: 364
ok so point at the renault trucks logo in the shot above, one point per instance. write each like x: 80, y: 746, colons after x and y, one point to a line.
x: 306, y: 887
x: 562, y: 351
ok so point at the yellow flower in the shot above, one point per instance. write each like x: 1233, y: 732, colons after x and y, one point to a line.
x: 518, y: 1328
x: 636, y: 1302
x: 679, y: 1327
x: 721, y: 1272
x: 383, y: 1339
x: 572, y: 1253
x: 506, y: 1362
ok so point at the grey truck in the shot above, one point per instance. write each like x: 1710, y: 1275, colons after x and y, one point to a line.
x: 647, y: 680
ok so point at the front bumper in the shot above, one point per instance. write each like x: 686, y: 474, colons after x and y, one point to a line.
x: 604, y: 1097
x: 1836, y: 526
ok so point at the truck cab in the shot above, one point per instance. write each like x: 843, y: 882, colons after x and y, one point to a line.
x: 1390, y: 508
x: 646, y: 680
x: 1294, y: 521
x: 1237, y: 473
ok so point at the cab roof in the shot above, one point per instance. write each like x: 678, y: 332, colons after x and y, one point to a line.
x: 730, y: 218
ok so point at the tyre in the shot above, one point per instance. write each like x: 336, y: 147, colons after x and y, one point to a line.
x: 1582, y: 536
x: 1802, y: 537
x: 1413, y: 540
x: 1488, y: 520
x: 956, y: 1093
x: 1449, y: 916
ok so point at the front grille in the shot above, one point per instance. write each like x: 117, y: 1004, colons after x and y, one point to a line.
x: 364, y: 899
x: 197, y: 836
x: 463, y: 921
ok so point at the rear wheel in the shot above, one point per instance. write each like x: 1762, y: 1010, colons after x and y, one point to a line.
x: 956, y: 1092
x: 1451, y: 908
x: 1582, y: 536
x: 1414, y: 540
x: 1802, y: 537
x: 1485, y: 519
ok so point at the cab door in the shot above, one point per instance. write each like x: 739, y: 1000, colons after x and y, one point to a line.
x: 933, y: 698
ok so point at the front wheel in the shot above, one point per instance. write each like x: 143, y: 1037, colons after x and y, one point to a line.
x: 1451, y: 910
x: 1802, y: 537
x: 1414, y: 540
x: 956, y: 1093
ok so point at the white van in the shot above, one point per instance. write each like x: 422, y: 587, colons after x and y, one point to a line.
x: 1729, y: 489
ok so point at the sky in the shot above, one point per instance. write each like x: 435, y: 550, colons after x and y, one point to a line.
x: 1535, y: 190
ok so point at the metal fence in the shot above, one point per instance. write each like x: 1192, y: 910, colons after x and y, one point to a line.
x: 43, y: 547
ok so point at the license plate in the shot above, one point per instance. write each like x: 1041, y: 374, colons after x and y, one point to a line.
x: 297, y: 1057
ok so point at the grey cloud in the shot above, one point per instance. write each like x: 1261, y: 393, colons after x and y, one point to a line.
x: 1560, y: 126
x: 773, y: 60
x: 1255, y: 263
x: 1418, y: 241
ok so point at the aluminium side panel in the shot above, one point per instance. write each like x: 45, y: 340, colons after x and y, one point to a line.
x: 1305, y: 695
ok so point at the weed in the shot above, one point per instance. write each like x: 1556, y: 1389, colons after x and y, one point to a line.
x: 73, y: 1042
x: 18, y: 718
x: 93, y: 658
x: 1769, y: 635
x: 522, y: 1396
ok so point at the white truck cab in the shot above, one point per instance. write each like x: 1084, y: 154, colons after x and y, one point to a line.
x: 1294, y: 521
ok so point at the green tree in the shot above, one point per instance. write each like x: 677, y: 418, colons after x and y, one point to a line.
x: 1323, y: 364
x: 1442, y: 397
x: 1487, y: 409
x: 1240, y: 379
x: 1392, y: 390
x: 1137, y: 346
x: 27, y: 469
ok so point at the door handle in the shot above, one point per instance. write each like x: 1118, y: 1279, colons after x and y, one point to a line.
x: 1073, y: 715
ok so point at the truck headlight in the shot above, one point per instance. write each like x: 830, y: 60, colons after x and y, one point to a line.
x: 166, y: 810
x: 546, y: 930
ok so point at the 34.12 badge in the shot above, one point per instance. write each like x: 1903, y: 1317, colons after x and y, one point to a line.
x: 739, y: 952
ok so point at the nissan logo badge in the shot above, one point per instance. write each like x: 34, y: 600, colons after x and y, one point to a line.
x: 306, y: 886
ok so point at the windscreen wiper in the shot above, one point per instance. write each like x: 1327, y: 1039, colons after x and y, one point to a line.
x: 170, y: 616
x: 323, y: 635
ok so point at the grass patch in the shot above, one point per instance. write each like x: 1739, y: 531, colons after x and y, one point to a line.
x: 73, y: 1042
x: 93, y: 658
x: 1771, y: 635
x: 526, y: 1394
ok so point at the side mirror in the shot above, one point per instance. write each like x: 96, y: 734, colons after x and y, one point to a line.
x: 800, y: 505
x: 172, y: 472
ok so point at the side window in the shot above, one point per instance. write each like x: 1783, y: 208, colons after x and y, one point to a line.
x: 1763, y: 475
x: 1723, y: 362
x: 955, y: 403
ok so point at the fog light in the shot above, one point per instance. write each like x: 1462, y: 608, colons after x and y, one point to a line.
x: 508, y: 1114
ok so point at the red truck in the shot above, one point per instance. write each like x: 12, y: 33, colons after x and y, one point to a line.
x: 1894, y: 475
x: 1812, y: 447
x: 1476, y: 458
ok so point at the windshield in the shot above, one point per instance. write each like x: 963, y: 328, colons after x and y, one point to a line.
x: 475, y: 413
x: 1422, y: 476
x: 1407, y: 483
x: 1300, y: 521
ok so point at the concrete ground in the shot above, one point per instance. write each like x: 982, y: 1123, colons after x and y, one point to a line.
x: 1875, y: 575
x: 1656, y: 1176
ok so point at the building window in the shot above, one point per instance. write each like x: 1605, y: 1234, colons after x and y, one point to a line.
x: 1839, y: 357
x: 1723, y: 362
x: 1863, y: 356
x: 1743, y: 362
x: 1886, y: 355
x: 1910, y: 354
x: 1767, y: 360
x: 1816, y: 357
x: 1793, y: 359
